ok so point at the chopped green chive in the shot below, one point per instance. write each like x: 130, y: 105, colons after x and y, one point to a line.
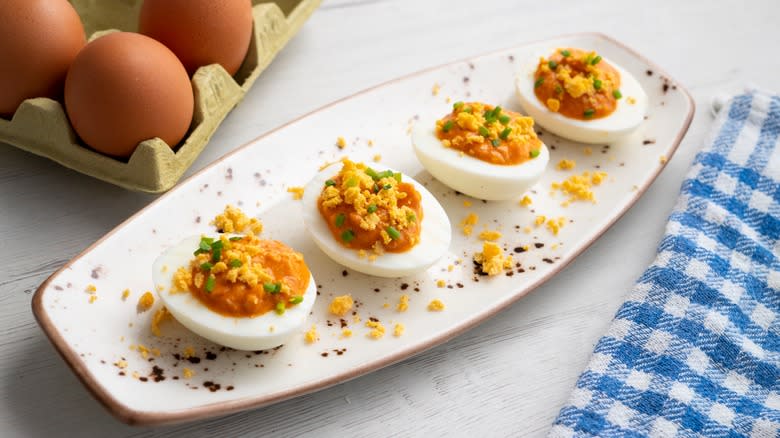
x: 398, y: 176
x: 210, y: 283
x: 552, y: 64
x: 352, y: 182
x: 236, y: 238
x: 505, y: 119
x: 457, y: 105
x: 538, y: 82
x: 280, y: 308
x: 505, y: 133
x: 386, y: 174
x: 558, y: 89
x: 447, y: 126
x: 347, y: 236
x: 272, y: 287
x: 617, y: 94
x: 204, y: 245
x: 411, y: 217
x: 388, y: 186
x: 329, y: 183
x: 296, y: 300
x: 206, y: 266
x: 469, y: 110
x: 340, y: 218
x: 595, y: 60
x: 372, y: 173
x: 495, y: 142
x: 484, y: 131
x: 393, y: 233
x: 534, y: 153
x: 565, y: 53
x: 589, y: 113
x: 497, y: 111
x: 375, y: 188
x: 235, y: 263
x: 597, y: 84
x: 216, y: 251
x: 372, y: 208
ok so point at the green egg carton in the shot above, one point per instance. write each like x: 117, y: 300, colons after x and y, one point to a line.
x: 41, y: 126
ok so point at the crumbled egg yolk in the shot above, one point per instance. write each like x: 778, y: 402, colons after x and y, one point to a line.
x: 539, y: 220
x: 161, y: 315
x: 492, y: 259
x: 125, y: 294
x: 587, y: 150
x: 233, y: 220
x: 347, y: 333
x: 554, y: 225
x: 311, y: 335
x: 377, y: 158
x: 440, y: 283
x: 398, y: 330
x: 365, y: 193
x: 403, y: 303
x: 145, y: 302
x: 297, y: 192
x: 489, y: 235
x: 435, y: 306
x: 467, y: 225
x: 90, y: 289
x: 566, y: 164
x: 187, y: 373
x: 92, y: 299
x: 341, y: 143
x: 188, y: 352
x: 578, y: 187
x: 467, y: 204
x: 341, y: 305
x: 526, y: 201
x: 377, y: 329
x: 435, y: 89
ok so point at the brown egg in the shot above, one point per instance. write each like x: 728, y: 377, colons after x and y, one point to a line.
x: 124, y: 88
x: 200, y: 32
x: 38, y: 41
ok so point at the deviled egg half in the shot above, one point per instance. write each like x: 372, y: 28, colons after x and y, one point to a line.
x: 582, y: 96
x: 482, y: 151
x: 375, y: 220
x: 238, y: 291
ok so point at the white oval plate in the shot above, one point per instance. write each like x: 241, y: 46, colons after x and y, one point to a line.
x: 95, y: 338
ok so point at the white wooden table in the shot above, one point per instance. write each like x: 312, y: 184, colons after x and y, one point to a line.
x: 509, y: 376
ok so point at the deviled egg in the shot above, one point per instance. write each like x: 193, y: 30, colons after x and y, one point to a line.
x: 238, y: 291
x: 375, y: 220
x: 482, y: 151
x: 582, y: 96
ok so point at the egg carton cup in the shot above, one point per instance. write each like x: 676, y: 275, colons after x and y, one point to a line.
x: 41, y: 126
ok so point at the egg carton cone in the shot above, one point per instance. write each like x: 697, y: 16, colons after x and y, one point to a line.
x: 40, y: 125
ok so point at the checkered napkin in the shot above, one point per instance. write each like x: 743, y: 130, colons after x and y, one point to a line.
x: 695, y: 349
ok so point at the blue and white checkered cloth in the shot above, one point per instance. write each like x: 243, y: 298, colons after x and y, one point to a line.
x: 695, y: 349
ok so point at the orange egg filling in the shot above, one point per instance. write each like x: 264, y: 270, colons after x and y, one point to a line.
x: 489, y: 133
x: 577, y: 84
x: 244, y: 276
x: 370, y: 210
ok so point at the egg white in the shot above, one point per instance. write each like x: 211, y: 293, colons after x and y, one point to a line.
x: 619, y: 123
x: 435, y: 233
x: 258, y: 333
x: 473, y: 176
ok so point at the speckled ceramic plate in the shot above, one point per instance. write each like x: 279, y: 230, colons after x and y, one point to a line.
x: 98, y: 337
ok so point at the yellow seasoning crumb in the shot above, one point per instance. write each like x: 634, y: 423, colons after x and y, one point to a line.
x: 156, y: 352
x: 159, y: 288
x: 527, y: 230
x: 566, y: 164
x: 526, y: 201
x: 91, y: 289
x: 435, y: 306
x: 370, y: 142
x: 403, y: 303
x: 188, y: 352
x: 385, y: 305
x: 356, y: 319
x: 492, y: 259
x: 554, y: 225
x: 598, y: 177
x: 347, y: 333
x: 450, y: 268
x: 341, y: 143
x: 398, y: 330
x: 125, y: 294
x: 187, y: 373
x: 142, y: 349
x: 377, y: 158
x: 92, y: 299
x: 311, y: 335
x: 297, y: 192
x: 435, y: 89
x: 467, y: 204
x: 145, y: 302
x: 271, y: 328
x: 164, y: 269
x: 468, y: 224
x: 341, y: 305
x: 440, y: 283
x: 539, y: 220
x: 662, y: 159
x: 162, y: 314
x: 121, y: 364
x: 377, y: 329
x: 631, y: 100
x: 135, y: 375
x: 489, y: 235
x: 587, y: 150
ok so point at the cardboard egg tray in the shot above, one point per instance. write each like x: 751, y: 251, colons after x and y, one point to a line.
x: 41, y: 126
